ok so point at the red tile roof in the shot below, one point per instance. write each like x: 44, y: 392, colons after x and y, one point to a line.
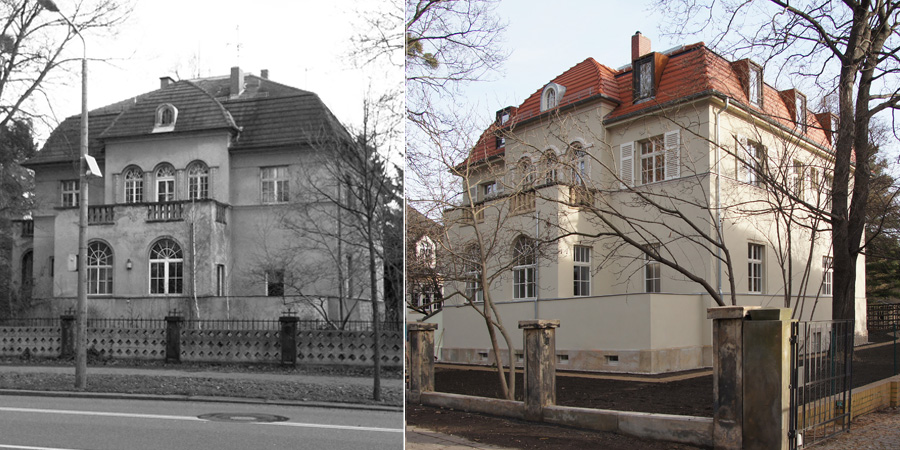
x: 691, y: 71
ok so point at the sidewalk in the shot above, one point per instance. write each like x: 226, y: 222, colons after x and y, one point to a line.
x: 422, y: 439
x: 879, y: 430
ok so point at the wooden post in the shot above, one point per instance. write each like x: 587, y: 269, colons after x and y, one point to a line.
x: 421, y: 358
x: 540, y: 366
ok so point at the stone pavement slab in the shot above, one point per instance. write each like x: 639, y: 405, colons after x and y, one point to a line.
x: 422, y: 439
x: 876, y: 431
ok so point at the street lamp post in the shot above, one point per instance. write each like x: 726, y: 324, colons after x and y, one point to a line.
x: 81, y: 310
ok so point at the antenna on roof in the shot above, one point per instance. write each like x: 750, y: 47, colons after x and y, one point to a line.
x: 237, y: 43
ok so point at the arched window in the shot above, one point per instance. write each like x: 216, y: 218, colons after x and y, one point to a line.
x: 578, y: 158
x: 165, y: 183
x: 198, y: 181
x: 524, y: 268
x: 166, y: 115
x: 99, y: 268
x: 526, y: 173
x: 166, y: 267
x: 549, y: 163
x: 134, y: 185
x: 551, y: 98
x: 27, y: 273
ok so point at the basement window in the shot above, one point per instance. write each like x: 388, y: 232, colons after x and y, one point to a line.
x: 562, y: 359
x: 612, y: 360
x: 483, y: 356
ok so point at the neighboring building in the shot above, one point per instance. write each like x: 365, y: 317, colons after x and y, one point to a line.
x: 599, y: 151
x: 199, y: 178
x: 424, y: 284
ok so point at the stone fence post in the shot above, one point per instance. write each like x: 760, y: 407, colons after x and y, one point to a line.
x: 540, y: 366
x: 420, y: 366
x: 767, y: 371
x: 288, y: 338
x: 174, y: 322
x: 728, y: 375
x: 67, y: 335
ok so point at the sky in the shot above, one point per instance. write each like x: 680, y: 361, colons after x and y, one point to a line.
x: 303, y: 44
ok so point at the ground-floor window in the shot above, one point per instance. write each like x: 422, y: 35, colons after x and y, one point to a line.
x: 166, y: 268
x: 99, y: 268
x: 755, y: 268
x: 582, y: 275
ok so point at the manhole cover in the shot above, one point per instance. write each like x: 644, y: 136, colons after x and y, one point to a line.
x: 242, y: 417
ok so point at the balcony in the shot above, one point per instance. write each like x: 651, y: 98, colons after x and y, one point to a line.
x: 165, y: 212
x: 198, y: 210
x: 101, y: 215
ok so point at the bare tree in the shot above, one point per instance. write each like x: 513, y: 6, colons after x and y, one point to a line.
x: 847, y: 48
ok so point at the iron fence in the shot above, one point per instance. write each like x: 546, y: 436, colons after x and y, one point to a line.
x: 30, y: 322
x: 821, y: 380
x: 349, y: 325
x: 142, y: 324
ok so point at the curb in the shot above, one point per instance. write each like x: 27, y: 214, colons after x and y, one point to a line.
x: 198, y: 398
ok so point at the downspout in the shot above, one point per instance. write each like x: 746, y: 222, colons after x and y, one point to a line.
x: 719, y: 198
x: 537, y: 277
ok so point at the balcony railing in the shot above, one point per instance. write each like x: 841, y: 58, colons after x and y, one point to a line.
x: 100, y: 215
x: 522, y: 202
x: 165, y: 212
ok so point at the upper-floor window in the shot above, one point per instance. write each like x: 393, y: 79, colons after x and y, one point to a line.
x: 70, y: 192
x: 797, y: 178
x: 578, y: 158
x: 275, y: 282
x: 582, y: 272
x: 800, y: 110
x: 755, y: 268
x: 488, y: 190
x: 551, y: 96
x: 643, y: 78
x: 275, y: 184
x: 472, y: 272
x: 549, y: 163
x: 526, y: 173
x: 653, y: 161
x: 755, y: 85
x: 166, y: 115
x: 827, y: 272
x: 134, y: 185
x: 99, y: 268
x: 754, y: 162
x: 425, y: 251
x: 165, y: 183
x: 198, y: 181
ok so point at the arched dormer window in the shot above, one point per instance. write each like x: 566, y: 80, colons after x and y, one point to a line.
x: 166, y: 115
x: 551, y: 96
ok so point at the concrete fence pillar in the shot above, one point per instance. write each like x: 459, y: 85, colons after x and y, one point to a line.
x: 540, y: 366
x: 420, y: 366
x: 174, y: 322
x: 67, y: 335
x: 728, y: 374
x: 288, y: 339
x: 767, y: 370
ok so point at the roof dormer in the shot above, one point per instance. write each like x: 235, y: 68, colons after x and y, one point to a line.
x: 551, y: 96
x: 647, y: 68
x: 504, y: 116
x: 796, y: 105
x: 166, y: 115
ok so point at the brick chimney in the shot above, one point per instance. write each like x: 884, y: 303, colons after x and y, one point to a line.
x: 237, y: 81
x: 164, y: 82
x: 264, y: 74
x: 640, y: 46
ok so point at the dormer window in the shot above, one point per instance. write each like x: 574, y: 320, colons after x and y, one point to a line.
x: 551, y: 96
x: 643, y: 78
x: 166, y: 115
x: 755, y: 85
x: 800, y: 111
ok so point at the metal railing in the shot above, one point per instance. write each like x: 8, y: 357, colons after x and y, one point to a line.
x: 30, y: 322
x: 882, y: 316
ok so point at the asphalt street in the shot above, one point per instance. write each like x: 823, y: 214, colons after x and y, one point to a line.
x: 53, y: 423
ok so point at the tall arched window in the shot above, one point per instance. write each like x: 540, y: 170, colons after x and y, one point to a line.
x: 134, y: 185
x: 165, y: 183
x: 99, y: 268
x: 526, y: 173
x: 524, y: 268
x: 166, y: 267
x: 549, y: 162
x: 198, y: 181
x: 578, y: 158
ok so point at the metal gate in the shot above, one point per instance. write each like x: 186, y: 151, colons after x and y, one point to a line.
x: 821, y: 363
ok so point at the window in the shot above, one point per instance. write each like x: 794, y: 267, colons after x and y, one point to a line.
x: 526, y: 173
x: 220, y: 280
x: 166, y: 267
x: 551, y: 96
x: 827, y: 272
x: 425, y: 250
x: 524, y: 283
x: 755, y: 162
x: 275, y: 283
x: 653, y: 159
x: 800, y: 111
x: 579, y: 163
x: 652, y: 271
x: 472, y: 272
x: 165, y: 183
x: 99, y: 268
x: 70, y: 193
x: 797, y: 178
x: 166, y: 115
x: 643, y: 78
x: 755, y: 268
x: 488, y: 190
x: 582, y: 275
x: 134, y: 185
x: 549, y: 165
x: 27, y: 273
x: 275, y: 187
x: 198, y: 181
x: 755, y: 85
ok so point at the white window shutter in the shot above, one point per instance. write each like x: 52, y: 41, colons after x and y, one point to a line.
x: 672, y: 141
x: 626, y: 166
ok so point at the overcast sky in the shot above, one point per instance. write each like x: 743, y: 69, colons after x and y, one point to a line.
x: 303, y: 44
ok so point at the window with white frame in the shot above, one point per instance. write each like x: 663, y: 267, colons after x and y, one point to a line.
x: 166, y: 267
x: 800, y: 110
x: 198, y: 181
x: 653, y: 161
x: 755, y: 254
x: 134, y: 185
x: 797, y: 178
x: 756, y: 163
x: 275, y: 186
x: 524, y: 269
x: 165, y: 183
x: 551, y: 96
x: 526, y: 173
x: 579, y: 163
x: 755, y: 85
x: 582, y: 275
x: 166, y: 115
x: 488, y: 190
x: 827, y: 273
x: 70, y: 193
x: 99, y: 268
x: 549, y: 165
x: 425, y: 251
x: 472, y: 272
x: 652, y: 271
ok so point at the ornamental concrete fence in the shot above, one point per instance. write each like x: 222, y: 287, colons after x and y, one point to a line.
x: 288, y: 340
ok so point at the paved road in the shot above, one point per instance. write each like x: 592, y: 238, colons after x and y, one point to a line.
x: 40, y: 423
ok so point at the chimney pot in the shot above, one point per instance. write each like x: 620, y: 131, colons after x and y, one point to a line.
x: 640, y: 46
x: 164, y: 82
